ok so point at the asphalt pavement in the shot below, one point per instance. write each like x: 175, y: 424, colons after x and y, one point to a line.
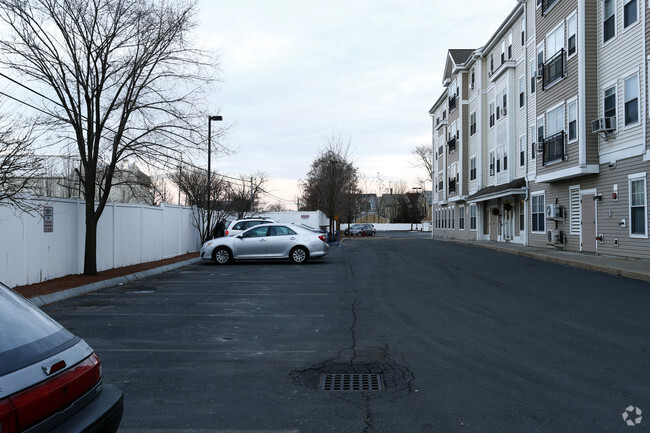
x: 464, y: 340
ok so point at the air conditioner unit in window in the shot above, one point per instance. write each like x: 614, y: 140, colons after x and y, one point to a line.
x: 603, y: 124
x: 540, y: 147
x: 554, y: 212
x: 553, y: 237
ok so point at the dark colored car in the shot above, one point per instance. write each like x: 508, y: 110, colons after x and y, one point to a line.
x: 50, y: 379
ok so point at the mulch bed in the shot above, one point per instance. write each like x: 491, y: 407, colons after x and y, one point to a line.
x: 70, y: 281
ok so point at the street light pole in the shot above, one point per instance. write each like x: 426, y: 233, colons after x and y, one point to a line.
x: 210, y: 119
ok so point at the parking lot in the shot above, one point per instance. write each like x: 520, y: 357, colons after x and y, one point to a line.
x: 242, y: 347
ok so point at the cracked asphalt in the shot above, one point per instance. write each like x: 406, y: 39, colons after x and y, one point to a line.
x: 467, y: 340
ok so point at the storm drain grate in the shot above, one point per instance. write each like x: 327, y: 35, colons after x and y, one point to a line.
x: 351, y: 382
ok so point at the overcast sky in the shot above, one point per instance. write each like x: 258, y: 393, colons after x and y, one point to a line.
x: 295, y: 71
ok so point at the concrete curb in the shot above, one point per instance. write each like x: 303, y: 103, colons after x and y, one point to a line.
x: 76, y: 291
x: 612, y: 270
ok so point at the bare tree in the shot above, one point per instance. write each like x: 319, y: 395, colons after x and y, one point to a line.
x: 331, y: 180
x: 424, y: 159
x: 118, y: 78
x: 245, y: 195
x: 19, y: 167
x: 193, y: 183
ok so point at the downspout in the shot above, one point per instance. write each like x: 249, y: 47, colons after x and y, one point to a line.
x: 433, y: 185
x: 527, y: 197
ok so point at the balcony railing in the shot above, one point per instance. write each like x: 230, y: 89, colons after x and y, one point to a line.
x: 452, y: 103
x: 452, y: 144
x: 452, y: 185
x: 546, y: 5
x: 553, y: 148
x: 553, y: 69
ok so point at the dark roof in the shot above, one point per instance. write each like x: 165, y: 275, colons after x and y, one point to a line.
x: 490, y: 190
x: 460, y: 56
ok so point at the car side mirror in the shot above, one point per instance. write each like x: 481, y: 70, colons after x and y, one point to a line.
x: 239, y: 237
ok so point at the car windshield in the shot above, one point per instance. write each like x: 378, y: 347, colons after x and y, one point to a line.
x: 27, y: 335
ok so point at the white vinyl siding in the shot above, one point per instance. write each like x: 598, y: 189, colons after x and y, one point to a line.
x: 631, y: 95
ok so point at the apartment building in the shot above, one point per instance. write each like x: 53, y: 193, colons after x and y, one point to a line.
x: 552, y: 148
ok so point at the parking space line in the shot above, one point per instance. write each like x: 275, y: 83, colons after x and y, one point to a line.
x: 95, y: 314
x: 261, y: 352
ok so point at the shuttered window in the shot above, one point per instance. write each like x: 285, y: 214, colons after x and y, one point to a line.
x: 574, y: 198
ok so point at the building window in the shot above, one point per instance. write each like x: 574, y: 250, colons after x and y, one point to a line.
x: 554, y: 142
x: 609, y: 20
x: 523, y: 32
x: 522, y: 150
x: 533, y: 147
x: 510, y: 45
x: 472, y: 217
x: 522, y: 92
x: 630, y: 13
x: 473, y: 81
x: 503, y: 51
x: 505, y: 102
x: 461, y: 218
x: 472, y: 168
x: 540, y: 60
x: 492, y: 162
x: 572, y: 26
x: 491, y: 111
x: 638, y: 205
x: 533, y: 76
x: 609, y: 102
x: 632, y: 100
x: 537, y: 213
x: 472, y: 123
x: 491, y: 62
x: 452, y: 221
x: 573, y: 120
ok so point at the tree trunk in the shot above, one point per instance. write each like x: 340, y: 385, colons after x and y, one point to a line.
x: 90, y: 252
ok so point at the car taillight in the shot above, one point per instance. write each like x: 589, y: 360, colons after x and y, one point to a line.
x: 7, y: 417
x: 41, y: 401
x: 226, y: 232
x: 322, y: 238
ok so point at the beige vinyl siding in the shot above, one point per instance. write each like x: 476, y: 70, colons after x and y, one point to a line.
x: 608, y: 225
x: 619, y: 58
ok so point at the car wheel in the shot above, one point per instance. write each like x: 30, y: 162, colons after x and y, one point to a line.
x: 222, y: 255
x: 299, y: 255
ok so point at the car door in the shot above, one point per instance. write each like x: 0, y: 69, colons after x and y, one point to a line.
x: 280, y: 241
x: 251, y: 243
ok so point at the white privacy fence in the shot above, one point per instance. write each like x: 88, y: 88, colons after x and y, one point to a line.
x: 35, y: 248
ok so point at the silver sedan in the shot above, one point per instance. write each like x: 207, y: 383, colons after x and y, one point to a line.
x: 267, y: 241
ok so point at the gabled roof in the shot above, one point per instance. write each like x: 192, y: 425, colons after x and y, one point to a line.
x: 456, y: 58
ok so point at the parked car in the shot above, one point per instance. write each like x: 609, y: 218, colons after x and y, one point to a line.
x: 238, y: 226
x: 361, y: 230
x: 267, y: 241
x: 50, y: 379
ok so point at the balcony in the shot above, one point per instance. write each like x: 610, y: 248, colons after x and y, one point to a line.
x: 452, y: 144
x: 452, y: 185
x: 553, y: 148
x: 553, y: 69
x: 452, y: 103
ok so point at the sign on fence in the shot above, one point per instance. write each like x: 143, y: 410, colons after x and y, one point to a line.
x: 48, y: 219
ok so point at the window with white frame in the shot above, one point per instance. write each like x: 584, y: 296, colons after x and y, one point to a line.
x: 522, y: 91
x: 491, y: 62
x: 572, y: 38
x: 555, y: 120
x: 472, y: 217
x: 609, y: 20
x: 503, y: 51
x: 630, y: 12
x: 533, y: 146
x: 491, y: 112
x: 609, y: 101
x: 498, y: 158
x: 573, y: 120
x: 461, y: 218
x: 522, y: 150
x: 575, y: 217
x: 533, y: 76
x: 452, y: 218
x: 555, y: 41
x: 537, y: 212
x: 638, y: 205
x: 510, y: 45
x: 631, y: 94
x: 472, y: 123
x: 540, y: 130
x: 504, y: 97
x: 492, y: 162
x: 473, y: 80
x: 472, y: 168
x: 540, y: 60
x: 523, y: 31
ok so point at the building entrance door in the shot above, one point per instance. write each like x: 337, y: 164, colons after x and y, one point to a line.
x: 588, y: 223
